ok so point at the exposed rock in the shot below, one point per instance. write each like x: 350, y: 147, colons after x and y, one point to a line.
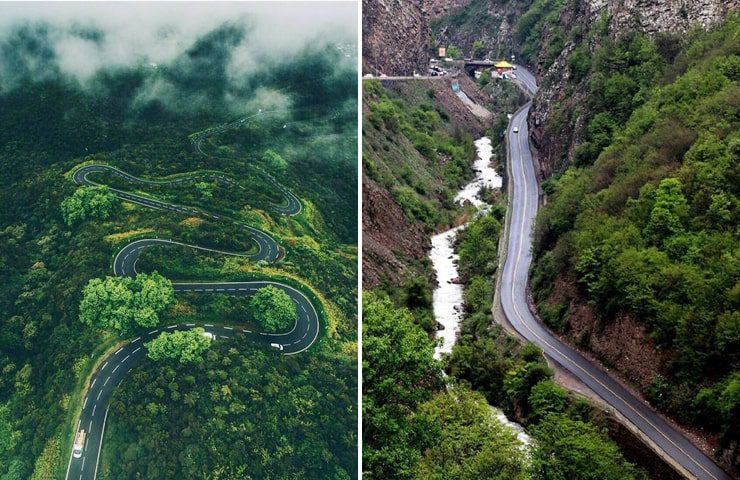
x: 395, y: 37
x: 556, y: 144
x: 388, y: 238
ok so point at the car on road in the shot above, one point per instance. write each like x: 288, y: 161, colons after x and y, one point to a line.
x: 516, y: 129
x: 276, y: 345
x: 79, y: 444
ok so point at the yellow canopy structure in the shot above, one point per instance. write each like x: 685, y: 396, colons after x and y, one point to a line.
x: 503, y: 64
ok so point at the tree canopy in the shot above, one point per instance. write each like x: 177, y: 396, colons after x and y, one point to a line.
x: 467, y: 441
x: 273, y: 309
x: 274, y: 161
x: 575, y: 450
x: 89, y: 202
x: 123, y: 304
x: 185, y: 346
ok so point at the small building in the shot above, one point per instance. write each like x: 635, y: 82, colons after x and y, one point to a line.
x: 503, y: 67
x: 442, y: 52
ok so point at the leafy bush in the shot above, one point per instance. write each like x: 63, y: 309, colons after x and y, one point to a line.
x: 123, y: 304
x: 185, y: 346
x: 89, y: 202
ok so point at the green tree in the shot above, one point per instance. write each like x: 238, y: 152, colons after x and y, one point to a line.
x: 89, y: 202
x: 273, y: 309
x: 569, y: 449
x: 205, y: 190
x: 545, y: 398
x: 485, y: 78
x: 670, y: 210
x: 453, y: 52
x: 399, y: 373
x: 467, y: 440
x: 479, y: 49
x: 185, y: 346
x: 124, y: 303
x: 275, y: 161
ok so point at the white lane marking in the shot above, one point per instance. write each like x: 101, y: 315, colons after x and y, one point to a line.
x: 93, y: 383
x: 89, y: 427
x: 114, y: 370
x: 208, y: 325
x: 172, y: 326
x: 153, y: 331
x: 136, y: 350
x: 69, y: 464
x: 99, y: 394
x: 246, y: 331
x: 95, y: 406
x: 118, y: 351
x: 563, y: 355
x: 82, y: 468
x: 229, y: 328
x: 190, y: 324
x: 135, y: 339
x: 104, y: 365
x: 106, y: 381
x: 97, y: 459
x: 125, y: 358
x: 85, y: 404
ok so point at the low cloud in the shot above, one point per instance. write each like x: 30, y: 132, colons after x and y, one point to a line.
x: 183, y: 49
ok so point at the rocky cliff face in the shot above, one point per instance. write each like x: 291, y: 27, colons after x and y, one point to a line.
x: 462, y: 22
x: 560, y: 97
x: 395, y: 37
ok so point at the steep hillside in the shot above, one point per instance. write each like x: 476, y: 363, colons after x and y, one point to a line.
x: 479, y: 28
x: 637, y: 246
x: 594, y: 56
x: 417, y: 151
x: 395, y: 37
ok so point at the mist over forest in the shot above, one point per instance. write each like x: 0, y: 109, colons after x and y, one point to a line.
x: 192, y: 60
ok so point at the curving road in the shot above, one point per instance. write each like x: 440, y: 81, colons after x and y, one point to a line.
x: 513, y: 293
x: 114, y: 368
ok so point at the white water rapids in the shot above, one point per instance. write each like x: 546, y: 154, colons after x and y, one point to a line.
x: 448, y: 296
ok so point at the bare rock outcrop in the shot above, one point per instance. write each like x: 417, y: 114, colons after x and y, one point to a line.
x: 395, y: 37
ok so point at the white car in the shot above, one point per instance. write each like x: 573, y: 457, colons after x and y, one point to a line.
x: 276, y: 345
x: 516, y: 129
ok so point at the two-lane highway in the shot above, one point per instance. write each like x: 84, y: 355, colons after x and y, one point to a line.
x: 512, y: 287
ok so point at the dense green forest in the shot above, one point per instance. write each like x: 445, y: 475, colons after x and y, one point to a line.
x: 55, y: 241
x: 645, y: 224
x: 242, y: 413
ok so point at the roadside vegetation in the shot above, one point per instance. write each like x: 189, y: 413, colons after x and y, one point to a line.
x: 242, y: 412
x: 644, y: 225
x: 57, y: 238
x: 415, y: 152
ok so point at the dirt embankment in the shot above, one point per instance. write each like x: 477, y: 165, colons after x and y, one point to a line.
x: 392, y: 242
x: 389, y: 239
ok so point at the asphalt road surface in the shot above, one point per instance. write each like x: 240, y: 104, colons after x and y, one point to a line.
x: 114, y: 368
x: 513, y: 290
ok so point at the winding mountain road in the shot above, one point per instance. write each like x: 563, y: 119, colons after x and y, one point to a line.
x: 115, y: 367
x: 513, y: 293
